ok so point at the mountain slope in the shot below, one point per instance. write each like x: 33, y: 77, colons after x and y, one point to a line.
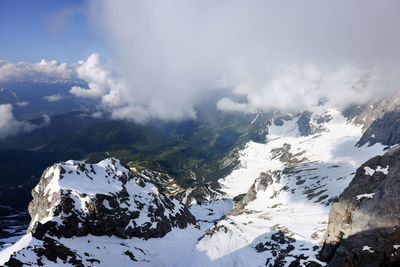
x: 283, y: 190
x: 301, y: 175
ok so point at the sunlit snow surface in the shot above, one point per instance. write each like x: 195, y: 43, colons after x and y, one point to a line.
x: 330, y: 160
x: 177, y: 248
x: 297, y: 205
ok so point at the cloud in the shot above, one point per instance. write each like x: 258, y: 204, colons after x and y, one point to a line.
x: 97, y: 115
x: 123, y: 101
x: 283, y: 55
x: 23, y: 103
x: 54, y: 98
x: 43, y: 70
x: 100, y: 81
x: 297, y: 87
x: 9, y: 126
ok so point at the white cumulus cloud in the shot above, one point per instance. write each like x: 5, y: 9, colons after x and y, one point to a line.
x: 23, y: 103
x: 54, y: 98
x: 122, y: 100
x: 24, y: 71
x: 9, y: 126
x: 100, y: 80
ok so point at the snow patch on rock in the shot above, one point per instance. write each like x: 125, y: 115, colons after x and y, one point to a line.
x: 370, y: 195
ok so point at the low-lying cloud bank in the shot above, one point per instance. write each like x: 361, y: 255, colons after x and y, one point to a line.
x: 9, y: 126
x: 287, y: 88
x: 43, y: 70
x: 284, y: 55
x: 300, y: 87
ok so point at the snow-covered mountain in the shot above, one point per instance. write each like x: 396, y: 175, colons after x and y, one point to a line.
x: 74, y: 199
x: 272, y: 209
x: 289, y: 184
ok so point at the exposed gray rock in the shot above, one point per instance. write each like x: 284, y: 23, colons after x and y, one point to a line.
x: 364, y: 224
x: 380, y: 121
x: 286, y: 156
x: 279, y: 119
x: 304, y: 123
x: 366, y: 114
x: 283, y: 153
x: 231, y: 159
x: 385, y: 130
x: 260, y: 184
x: 198, y: 192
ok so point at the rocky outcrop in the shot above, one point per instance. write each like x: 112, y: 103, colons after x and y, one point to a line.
x: 384, y: 130
x: 77, y: 199
x: 379, y: 120
x: 260, y: 184
x: 198, y: 192
x: 283, y: 153
x: 304, y: 123
x: 364, y: 224
x: 367, y: 113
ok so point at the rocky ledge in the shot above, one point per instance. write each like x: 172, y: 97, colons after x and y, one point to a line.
x: 364, y: 224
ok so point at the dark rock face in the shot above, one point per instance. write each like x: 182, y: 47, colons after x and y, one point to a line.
x: 304, y: 123
x: 281, y: 244
x: 380, y: 121
x: 280, y: 247
x: 364, y: 224
x: 279, y: 120
x: 52, y: 250
x: 385, y: 130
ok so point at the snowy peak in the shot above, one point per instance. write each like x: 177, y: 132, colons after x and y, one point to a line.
x: 76, y: 199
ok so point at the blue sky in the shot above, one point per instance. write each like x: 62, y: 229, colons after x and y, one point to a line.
x: 53, y: 30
